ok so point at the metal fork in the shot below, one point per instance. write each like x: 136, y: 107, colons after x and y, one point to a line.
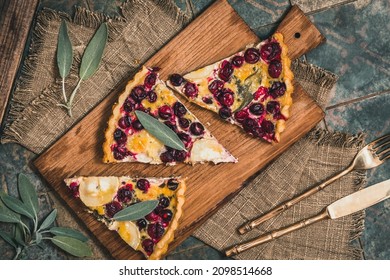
x: 370, y: 156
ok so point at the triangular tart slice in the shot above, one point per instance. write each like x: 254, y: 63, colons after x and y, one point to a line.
x: 251, y: 88
x: 106, y: 196
x: 127, y: 141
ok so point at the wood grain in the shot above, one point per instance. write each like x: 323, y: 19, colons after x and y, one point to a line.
x: 78, y: 152
x: 15, y: 21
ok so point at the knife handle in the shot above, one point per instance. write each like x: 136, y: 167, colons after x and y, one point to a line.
x: 277, y: 233
x: 281, y: 208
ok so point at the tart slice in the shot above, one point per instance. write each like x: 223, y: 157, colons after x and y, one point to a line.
x: 106, y: 196
x: 126, y: 140
x: 251, y: 88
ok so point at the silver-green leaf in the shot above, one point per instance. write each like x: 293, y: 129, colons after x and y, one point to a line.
x: 7, y: 238
x: 49, y: 220
x: 93, y: 53
x: 28, y: 194
x: 64, y: 51
x: 62, y: 231
x: 19, y: 235
x: 17, y: 206
x: 136, y: 211
x: 161, y: 131
x: 7, y: 216
x: 73, y: 246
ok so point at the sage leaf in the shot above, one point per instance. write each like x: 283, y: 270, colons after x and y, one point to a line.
x: 62, y: 231
x: 49, y: 220
x: 7, y: 238
x: 28, y: 194
x: 161, y: 131
x: 7, y: 216
x: 93, y: 53
x: 17, y: 206
x: 73, y: 246
x: 136, y: 211
x: 38, y: 237
x: 19, y: 235
x: 64, y: 51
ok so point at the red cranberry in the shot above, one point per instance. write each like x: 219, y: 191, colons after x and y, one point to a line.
x: 179, y: 109
x: 167, y: 157
x: 252, y: 55
x: 155, y: 231
x: 238, y: 61
x: 138, y: 93
x: 120, y: 152
x: 171, y: 125
x: 190, y: 90
x: 128, y: 106
x: 277, y: 89
x: 270, y: 51
x: 143, y: 185
x: 112, y: 208
x: 150, y: 80
x: 148, y: 245
x: 179, y: 156
x: 207, y: 100
x: 256, y: 109
x: 197, y: 128
x: 119, y: 136
x: 275, y: 68
x: 226, y: 97
x: 152, y: 217
x: 124, y: 122
x: 240, y: 116
x: 124, y: 194
x: 225, y: 113
x: 260, y: 92
x: 258, y: 131
x: 74, y: 189
x: 273, y: 107
x: 166, y: 215
x: 225, y: 71
x: 249, y: 124
x: 172, y: 184
x: 137, y: 125
x: 165, y: 112
x: 185, y: 138
x: 215, y: 86
x: 184, y: 123
x: 176, y: 80
x: 267, y: 126
x: 142, y: 223
x: 152, y: 96
x: 164, y: 202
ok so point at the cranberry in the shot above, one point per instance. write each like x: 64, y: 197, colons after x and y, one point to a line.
x: 270, y: 51
x: 249, y: 124
x: 74, y: 189
x: 197, y: 128
x: 158, y: 210
x: 138, y: 93
x: 120, y: 152
x: 277, y: 89
x: 252, y: 55
x: 267, y: 126
x: 190, y: 90
x: 166, y: 215
x: 112, y: 208
x: 152, y: 96
x: 215, y: 86
x: 171, y: 125
x: 184, y: 123
x: 164, y: 202
x: 148, y: 245
x: 275, y: 68
x: 155, y: 231
x: 150, y: 80
x: 167, y: 157
x: 124, y: 122
x: 119, y: 136
x: 238, y: 61
x: 128, y: 106
x: 124, y: 194
x: 185, y: 138
x: 240, y: 116
x: 142, y: 223
x: 152, y: 217
x: 257, y: 131
x: 165, y: 112
x: 273, y: 107
x: 137, y: 125
x: 256, y: 109
x: 179, y: 156
x: 261, y: 91
x: 207, y: 100
x: 225, y: 71
x: 226, y: 97
x: 225, y: 113
x: 143, y: 185
x: 172, y: 184
x: 176, y: 80
x: 179, y: 109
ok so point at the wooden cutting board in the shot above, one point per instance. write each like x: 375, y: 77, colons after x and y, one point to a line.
x: 204, y: 41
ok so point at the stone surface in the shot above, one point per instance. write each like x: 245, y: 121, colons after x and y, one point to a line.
x: 316, y: 5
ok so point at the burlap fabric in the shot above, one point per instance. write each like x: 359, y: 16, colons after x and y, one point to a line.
x: 35, y: 122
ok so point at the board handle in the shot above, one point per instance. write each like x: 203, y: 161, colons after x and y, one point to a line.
x: 299, y: 33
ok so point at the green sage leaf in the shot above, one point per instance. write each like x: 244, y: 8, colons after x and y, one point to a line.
x: 49, y: 220
x: 62, y: 231
x: 7, y: 216
x: 7, y: 238
x: 17, y: 206
x: 136, y: 211
x: 161, y: 131
x: 19, y: 235
x: 64, y: 51
x: 28, y: 194
x: 38, y: 237
x: 73, y: 246
x: 93, y: 53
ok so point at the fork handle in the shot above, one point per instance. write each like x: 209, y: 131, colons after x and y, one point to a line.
x: 281, y: 208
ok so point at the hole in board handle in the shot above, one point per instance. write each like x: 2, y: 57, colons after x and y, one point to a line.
x: 297, y: 35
